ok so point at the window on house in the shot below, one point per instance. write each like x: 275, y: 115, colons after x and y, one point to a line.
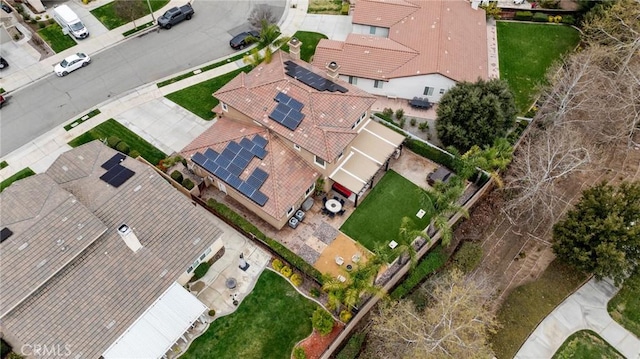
x: 319, y: 161
x: 297, y: 147
x: 372, y: 30
x: 378, y: 84
x: 442, y: 91
x: 290, y: 211
x: 190, y: 269
x: 353, y: 80
x: 224, y: 107
x: 340, y: 155
x: 202, y: 256
x: 359, y: 120
x: 428, y: 91
x: 310, y: 189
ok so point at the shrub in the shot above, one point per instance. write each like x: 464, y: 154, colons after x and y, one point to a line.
x: 50, y: 22
x: 123, y: 147
x: 412, y: 122
x: 345, y: 9
x: 431, y: 263
x: 42, y: 24
x: 37, y: 18
x: 188, y: 184
x: 468, y: 256
x: 539, y: 17
x: 296, y: 279
x: 549, y: 4
x: 113, y: 141
x: 5, y: 348
x: 345, y: 316
x: 399, y: 114
x: 322, y: 321
x: 299, y: 353
x: 429, y: 152
x: 423, y: 126
x: 523, y: 15
x: 402, y: 122
x: 568, y: 19
x: 314, y: 292
x: 286, y: 271
x: 177, y: 176
x: 387, y: 112
x: 14, y: 355
x: 134, y: 153
x: 172, y: 160
x: 353, y: 347
x: 212, y: 313
x: 200, y: 271
x: 277, y: 264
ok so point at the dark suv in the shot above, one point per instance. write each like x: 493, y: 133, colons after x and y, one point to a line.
x: 3, y: 63
x: 243, y: 40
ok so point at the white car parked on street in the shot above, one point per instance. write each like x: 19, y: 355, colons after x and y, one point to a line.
x: 72, y: 63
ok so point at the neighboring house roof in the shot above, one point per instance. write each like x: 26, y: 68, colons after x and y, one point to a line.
x: 425, y: 37
x: 328, y: 116
x: 92, y: 300
x: 289, y: 175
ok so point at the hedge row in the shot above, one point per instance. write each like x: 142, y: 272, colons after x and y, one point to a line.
x: 430, y: 152
x: 429, y: 264
x: 248, y: 227
x: 542, y: 17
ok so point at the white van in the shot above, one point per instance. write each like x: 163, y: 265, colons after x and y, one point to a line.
x: 70, y: 22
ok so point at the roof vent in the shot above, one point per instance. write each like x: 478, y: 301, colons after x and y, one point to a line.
x: 5, y: 234
x: 129, y: 237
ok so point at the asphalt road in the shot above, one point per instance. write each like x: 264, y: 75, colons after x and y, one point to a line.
x: 52, y: 101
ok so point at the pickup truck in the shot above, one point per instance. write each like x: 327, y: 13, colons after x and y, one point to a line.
x: 175, y: 15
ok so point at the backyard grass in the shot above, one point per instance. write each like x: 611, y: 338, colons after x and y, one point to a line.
x: 377, y: 219
x: 625, y: 306
x: 267, y: 324
x: 586, y: 344
x: 24, y: 173
x: 53, y: 36
x: 525, y: 52
x: 106, y: 14
x: 309, y: 41
x: 111, y: 127
x: 528, y: 304
x: 198, y: 98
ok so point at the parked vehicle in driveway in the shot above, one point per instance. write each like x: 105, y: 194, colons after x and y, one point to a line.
x: 72, y: 63
x: 3, y: 100
x: 244, y: 39
x: 70, y: 22
x: 3, y: 63
x: 175, y: 15
x: 6, y: 8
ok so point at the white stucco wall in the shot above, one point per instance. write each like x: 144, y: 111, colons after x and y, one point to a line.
x: 407, y: 87
x: 365, y: 30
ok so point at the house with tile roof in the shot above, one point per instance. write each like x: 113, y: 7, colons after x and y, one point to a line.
x: 95, y: 253
x: 410, y: 48
x: 283, y: 126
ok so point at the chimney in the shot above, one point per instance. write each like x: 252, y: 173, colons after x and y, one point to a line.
x: 333, y: 70
x: 129, y: 238
x: 294, y: 48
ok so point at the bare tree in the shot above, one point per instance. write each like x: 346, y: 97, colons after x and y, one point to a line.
x: 259, y: 14
x: 455, y: 323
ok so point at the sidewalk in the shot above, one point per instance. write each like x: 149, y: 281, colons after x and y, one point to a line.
x: 584, y: 309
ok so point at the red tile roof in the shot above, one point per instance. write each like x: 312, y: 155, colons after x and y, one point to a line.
x: 289, y: 175
x: 326, y: 128
x: 425, y: 37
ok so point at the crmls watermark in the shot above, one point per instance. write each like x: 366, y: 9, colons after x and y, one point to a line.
x: 52, y: 350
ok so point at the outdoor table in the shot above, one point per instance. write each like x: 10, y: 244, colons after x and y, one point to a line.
x: 333, y: 205
x: 420, y: 103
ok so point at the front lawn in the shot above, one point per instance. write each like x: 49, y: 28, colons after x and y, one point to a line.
x: 586, y: 344
x: 53, y: 36
x: 24, y: 173
x: 625, y: 306
x: 525, y: 52
x: 198, y: 98
x: 528, y: 304
x: 267, y: 324
x: 106, y: 14
x: 309, y: 41
x: 112, y: 127
x: 376, y: 221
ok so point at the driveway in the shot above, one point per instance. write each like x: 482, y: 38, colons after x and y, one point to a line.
x: 336, y: 27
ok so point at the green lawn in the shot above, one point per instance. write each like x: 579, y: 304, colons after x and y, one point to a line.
x: 526, y: 51
x: 53, y: 36
x: 267, y: 324
x: 111, y: 127
x: 377, y: 219
x: 586, y: 344
x: 527, y: 305
x: 625, y: 306
x: 106, y: 14
x: 198, y: 98
x: 18, y: 176
x: 309, y: 41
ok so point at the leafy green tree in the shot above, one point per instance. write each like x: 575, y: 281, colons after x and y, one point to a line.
x: 269, y: 36
x: 360, y: 281
x: 322, y: 321
x: 475, y: 114
x: 406, y: 235
x: 601, y: 235
x: 442, y: 203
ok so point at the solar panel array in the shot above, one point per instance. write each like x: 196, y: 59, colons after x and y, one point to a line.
x: 116, y: 159
x: 233, y: 160
x: 312, y: 79
x: 117, y: 175
x: 287, y: 112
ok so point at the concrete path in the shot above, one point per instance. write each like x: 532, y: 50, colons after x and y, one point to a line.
x: 584, y: 309
x: 336, y: 27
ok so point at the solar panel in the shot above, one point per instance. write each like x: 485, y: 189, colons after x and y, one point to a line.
x: 234, y: 147
x: 198, y: 158
x: 311, y: 79
x: 295, y: 104
x: 234, y: 181
x: 260, y: 141
x: 210, y: 166
x: 116, y: 159
x: 259, y: 198
x: 259, y: 152
x: 246, y: 143
x: 290, y: 123
x: 211, y: 154
x: 277, y: 116
x: 247, y: 189
x: 111, y: 173
x: 282, y: 97
x: 260, y: 174
x: 228, y: 154
x: 121, y: 177
x: 241, y: 161
x: 223, y: 162
x: 234, y: 169
x: 254, y: 182
x: 246, y: 154
x: 222, y: 173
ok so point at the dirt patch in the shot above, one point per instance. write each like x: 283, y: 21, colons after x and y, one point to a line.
x: 316, y: 344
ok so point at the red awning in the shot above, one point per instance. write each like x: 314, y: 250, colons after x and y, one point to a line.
x: 341, y: 189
